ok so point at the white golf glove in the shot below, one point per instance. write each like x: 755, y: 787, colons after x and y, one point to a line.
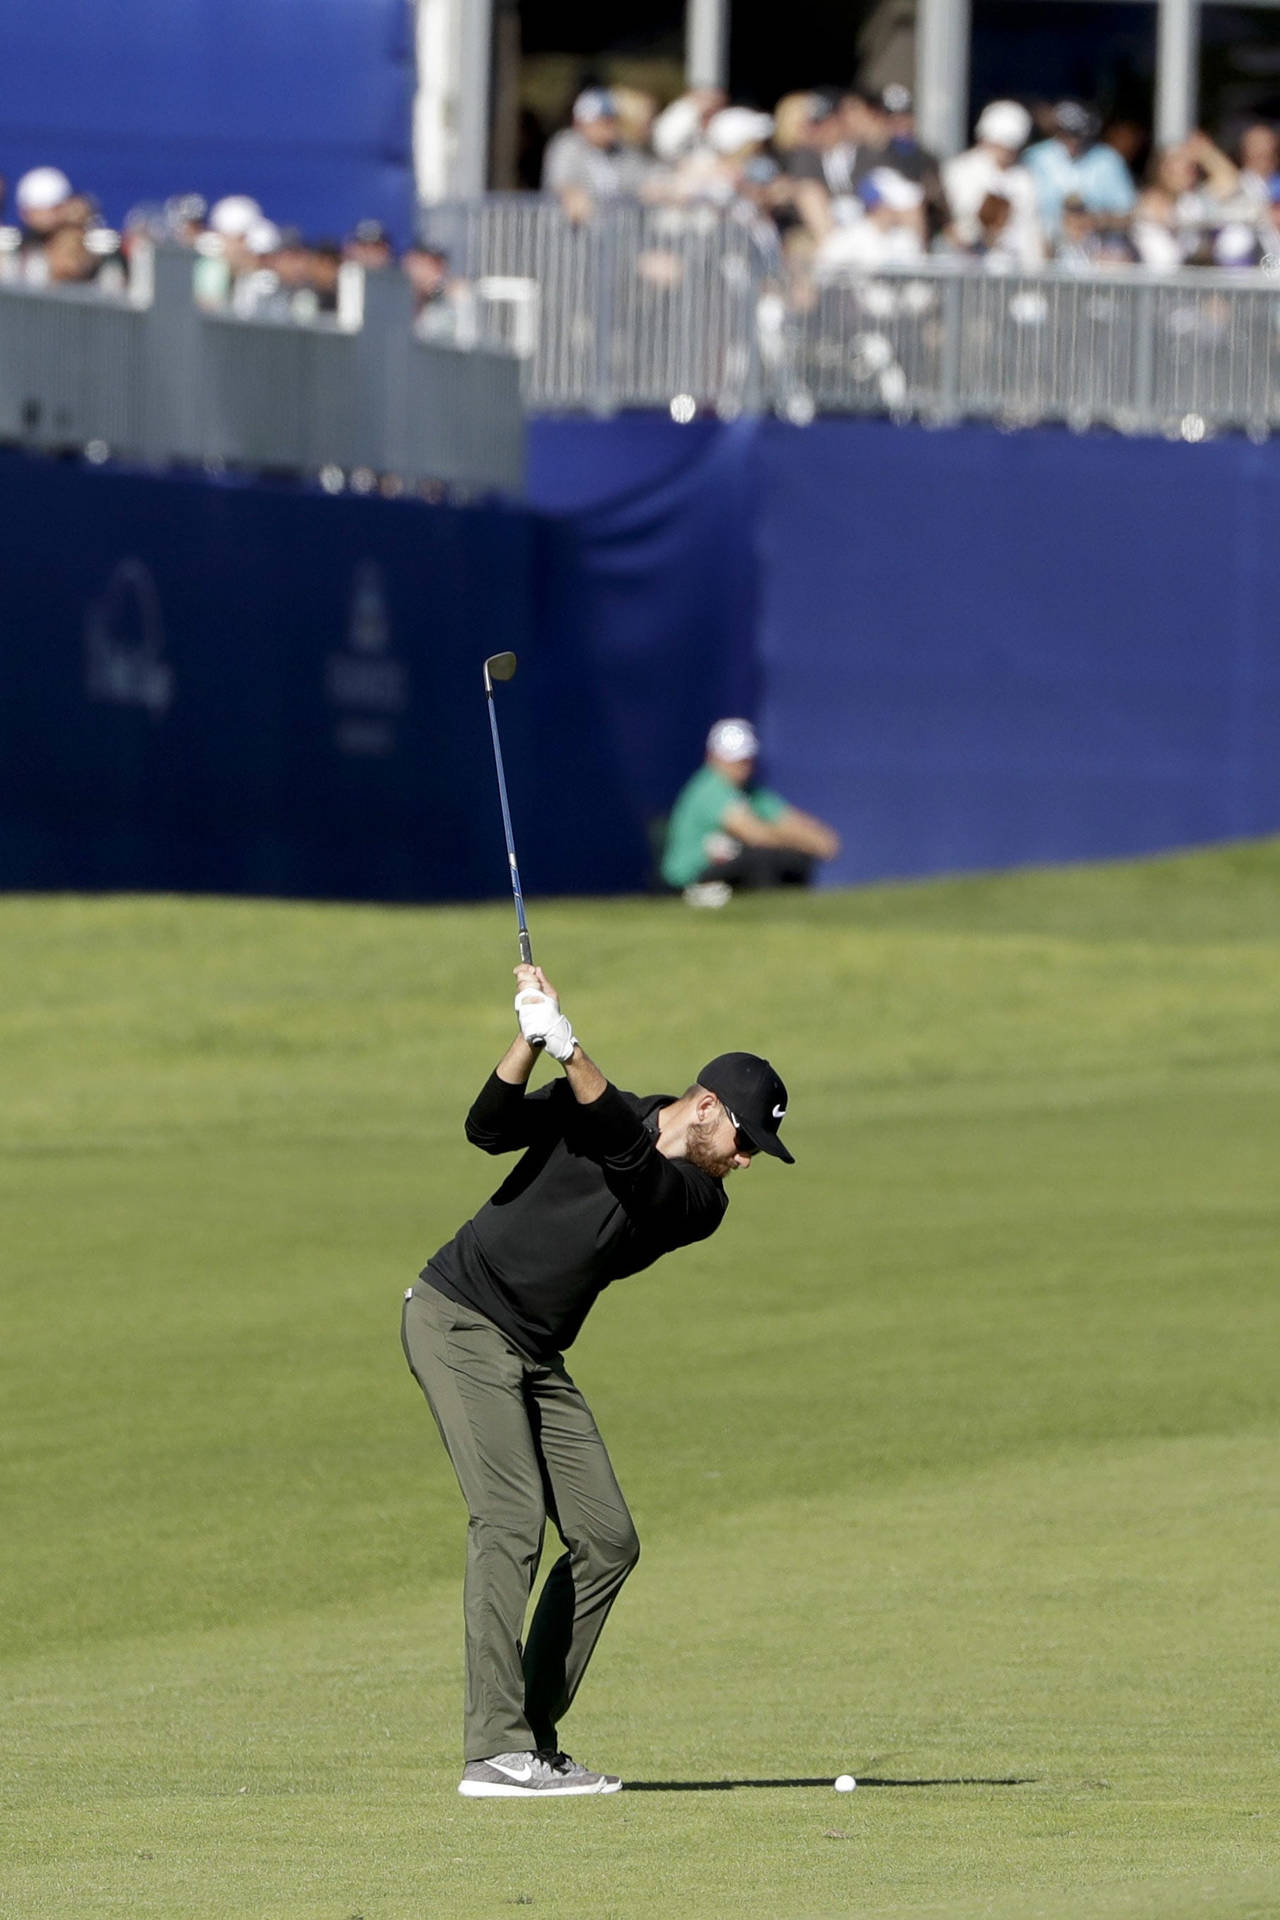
x: 543, y: 1024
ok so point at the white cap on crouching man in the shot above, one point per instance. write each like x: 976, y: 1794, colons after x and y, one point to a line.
x: 733, y: 740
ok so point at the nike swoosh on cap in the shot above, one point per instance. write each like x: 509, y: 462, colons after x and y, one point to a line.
x: 779, y: 1113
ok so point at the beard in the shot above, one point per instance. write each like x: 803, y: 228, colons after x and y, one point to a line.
x: 700, y: 1153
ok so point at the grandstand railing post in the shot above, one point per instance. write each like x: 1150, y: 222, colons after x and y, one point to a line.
x: 604, y: 247
x: 175, y: 422
x: 1144, y: 358
x: 381, y: 369
x: 953, y: 318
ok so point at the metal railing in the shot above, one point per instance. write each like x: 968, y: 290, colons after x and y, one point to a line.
x: 695, y: 308
x: 150, y: 375
x: 1184, y: 354
x: 641, y: 306
x: 628, y: 309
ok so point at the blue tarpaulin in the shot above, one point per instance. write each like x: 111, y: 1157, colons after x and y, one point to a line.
x: 966, y: 649
x: 981, y: 649
x: 308, y: 108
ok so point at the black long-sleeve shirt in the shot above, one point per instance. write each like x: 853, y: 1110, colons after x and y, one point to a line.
x: 590, y: 1201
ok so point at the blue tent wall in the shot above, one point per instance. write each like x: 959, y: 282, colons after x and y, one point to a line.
x: 307, y: 108
x: 981, y: 649
x: 966, y: 649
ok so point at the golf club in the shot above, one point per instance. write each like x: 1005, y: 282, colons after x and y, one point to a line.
x: 501, y: 666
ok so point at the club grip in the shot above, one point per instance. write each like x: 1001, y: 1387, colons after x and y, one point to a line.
x: 526, y: 948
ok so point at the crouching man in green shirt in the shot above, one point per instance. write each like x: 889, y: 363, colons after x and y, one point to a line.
x: 725, y: 832
x: 607, y: 1182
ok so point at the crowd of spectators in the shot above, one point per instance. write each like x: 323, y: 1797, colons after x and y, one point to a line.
x: 839, y: 174
x: 242, y: 261
x: 843, y: 178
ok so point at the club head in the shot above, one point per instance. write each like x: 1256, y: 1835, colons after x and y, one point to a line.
x: 499, y: 666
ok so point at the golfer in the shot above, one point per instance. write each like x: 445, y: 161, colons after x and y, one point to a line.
x: 607, y: 1182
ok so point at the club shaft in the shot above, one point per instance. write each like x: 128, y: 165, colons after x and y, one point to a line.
x: 526, y: 948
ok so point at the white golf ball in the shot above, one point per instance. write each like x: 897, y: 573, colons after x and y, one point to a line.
x: 846, y: 1783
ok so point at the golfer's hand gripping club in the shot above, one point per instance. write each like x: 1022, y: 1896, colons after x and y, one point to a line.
x: 538, y: 1007
x: 541, y: 1021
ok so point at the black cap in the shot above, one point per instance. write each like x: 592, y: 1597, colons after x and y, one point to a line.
x: 754, y: 1095
x: 1074, y: 118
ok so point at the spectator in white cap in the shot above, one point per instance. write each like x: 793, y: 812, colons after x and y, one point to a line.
x: 990, y: 168
x: 730, y: 163
x: 726, y: 832
x: 736, y: 130
x: 882, y: 225
x: 233, y: 215
x: 224, y: 253
x: 39, y: 198
x: 680, y: 128
x: 589, y: 162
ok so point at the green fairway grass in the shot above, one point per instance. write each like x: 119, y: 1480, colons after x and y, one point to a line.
x: 953, y: 1455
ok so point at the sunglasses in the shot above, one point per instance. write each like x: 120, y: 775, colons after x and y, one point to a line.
x: 740, y: 1140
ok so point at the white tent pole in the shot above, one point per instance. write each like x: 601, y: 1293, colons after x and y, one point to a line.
x: 1177, y: 70
x: 942, y: 75
x: 706, y: 43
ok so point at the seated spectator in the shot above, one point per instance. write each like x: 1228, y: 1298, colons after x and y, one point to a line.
x: 39, y: 200
x: 291, y: 264
x: 792, y: 126
x: 1192, y: 189
x: 862, y: 130
x: 1072, y: 163
x: 904, y: 154
x: 588, y: 161
x: 990, y: 168
x: 1259, y: 150
x: 902, y: 149
x: 729, y: 164
x: 799, y: 200
x: 223, y: 255
x: 882, y: 225
x: 1269, y: 227
x: 815, y: 141
x: 1077, y: 243
x: 369, y: 245
x: 442, y: 302
x: 1235, y: 245
x: 184, y: 218
x: 725, y: 832
x: 293, y: 279
x: 681, y: 127
x: 1132, y: 141
x: 637, y: 112
x: 324, y: 270
x: 986, y: 236
x: 76, y: 257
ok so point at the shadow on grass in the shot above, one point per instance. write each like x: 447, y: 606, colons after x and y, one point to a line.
x: 728, y: 1786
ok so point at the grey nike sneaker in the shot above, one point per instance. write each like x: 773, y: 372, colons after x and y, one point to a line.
x: 530, y: 1776
x: 569, y: 1769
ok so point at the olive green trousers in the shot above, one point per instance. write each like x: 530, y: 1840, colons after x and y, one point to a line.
x: 525, y: 1449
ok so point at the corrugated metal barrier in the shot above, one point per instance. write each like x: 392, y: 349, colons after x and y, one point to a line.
x: 694, y: 308
x: 152, y: 376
